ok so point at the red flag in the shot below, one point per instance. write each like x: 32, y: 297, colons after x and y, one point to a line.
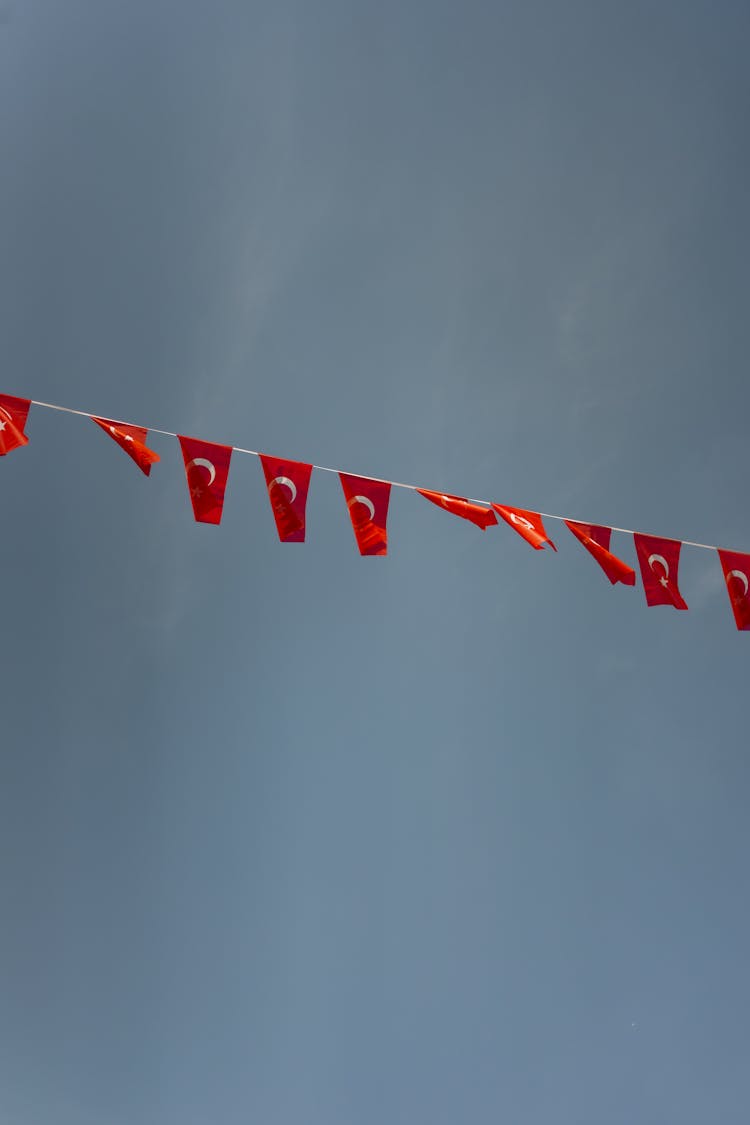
x: 13, y: 414
x: 596, y: 541
x: 527, y: 524
x: 287, y: 483
x: 132, y: 439
x: 206, y: 469
x: 367, y: 501
x: 736, y: 569
x: 459, y: 506
x: 659, y: 560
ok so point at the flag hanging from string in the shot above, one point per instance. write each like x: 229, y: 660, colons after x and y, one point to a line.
x: 476, y: 513
x: 736, y: 569
x: 596, y: 540
x: 659, y: 560
x: 13, y: 414
x: 528, y: 525
x: 367, y: 501
x: 287, y: 483
x: 132, y: 439
x: 206, y: 469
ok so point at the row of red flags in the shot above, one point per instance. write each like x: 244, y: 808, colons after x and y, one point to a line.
x: 288, y: 482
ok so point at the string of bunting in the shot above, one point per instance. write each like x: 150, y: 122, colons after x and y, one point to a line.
x: 207, y: 470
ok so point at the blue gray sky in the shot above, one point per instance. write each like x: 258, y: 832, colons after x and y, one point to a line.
x: 289, y: 836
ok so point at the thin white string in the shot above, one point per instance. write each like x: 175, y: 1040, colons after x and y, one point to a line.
x: 328, y: 469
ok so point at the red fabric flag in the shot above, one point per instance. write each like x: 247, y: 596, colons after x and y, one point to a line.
x: 13, y: 414
x: 736, y: 569
x: 287, y: 483
x: 367, y: 501
x: 206, y: 469
x: 528, y: 524
x: 459, y: 506
x: 659, y: 560
x: 132, y: 439
x: 596, y: 541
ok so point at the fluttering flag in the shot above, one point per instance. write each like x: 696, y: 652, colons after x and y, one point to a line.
x: 659, y: 560
x: 206, y: 469
x: 528, y: 525
x: 132, y: 439
x: 287, y: 483
x: 736, y: 569
x: 13, y: 414
x: 596, y: 540
x: 367, y: 501
x: 477, y: 513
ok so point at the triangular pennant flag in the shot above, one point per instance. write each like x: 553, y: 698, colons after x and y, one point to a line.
x: 528, y: 525
x: 736, y: 569
x: 287, y: 483
x: 13, y: 414
x: 367, y: 501
x: 659, y: 560
x: 132, y: 439
x: 596, y: 540
x: 206, y: 469
x: 478, y: 514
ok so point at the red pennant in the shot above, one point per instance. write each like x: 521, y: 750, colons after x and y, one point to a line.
x: 528, y: 524
x: 132, y: 439
x: 287, y: 483
x: 596, y: 541
x: 736, y: 569
x: 459, y: 506
x: 367, y: 501
x: 659, y: 560
x: 206, y: 469
x: 13, y: 414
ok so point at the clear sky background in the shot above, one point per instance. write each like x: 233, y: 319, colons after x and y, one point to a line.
x: 293, y: 837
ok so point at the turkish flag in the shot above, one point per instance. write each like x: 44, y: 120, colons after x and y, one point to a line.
x: 736, y: 569
x: 367, y: 501
x: 287, y: 483
x: 132, y: 439
x: 527, y: 524
x: 659, y: 560
x: 13, y: 414
x: 459, y: 506
x: 206, y: 469
x: 596, y: 541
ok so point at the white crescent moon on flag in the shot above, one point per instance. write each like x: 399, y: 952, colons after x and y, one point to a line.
x: 7, y: 415
x: 203, y: 463
x: 288, y: 483
x: 522, y: 520
x: 118, y: 433
x: 660, y: 559
x: 367, y: 503
x: 742, y: 577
